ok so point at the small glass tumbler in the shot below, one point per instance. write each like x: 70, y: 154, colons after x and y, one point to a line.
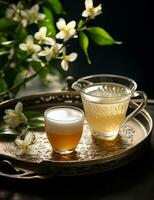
x: 64, y: 127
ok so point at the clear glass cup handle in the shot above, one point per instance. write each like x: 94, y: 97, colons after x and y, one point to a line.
x: 140, y: 107
x: 79, y: 85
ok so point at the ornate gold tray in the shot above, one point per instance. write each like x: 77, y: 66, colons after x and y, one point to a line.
x: 89, y: 158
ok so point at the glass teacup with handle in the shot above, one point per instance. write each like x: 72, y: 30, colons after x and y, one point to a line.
x: 106, y: 99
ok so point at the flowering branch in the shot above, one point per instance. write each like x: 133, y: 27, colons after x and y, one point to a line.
x: 35, y: 51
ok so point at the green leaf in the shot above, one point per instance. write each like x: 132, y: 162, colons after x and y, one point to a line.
x: 31, y: 115
x: 84, y: 43
x: 10, y: 75
x: 3, y: 51
x: 2, y: 39
x: 3, y: 85
x: 20, y: 77
x: 101, y: 37
x: 80, y: 23
x: 48, y: 21
x: 37, y: 66
x: 35, y: 120
x: 7, y: 25
x: 48, y: 14
x: 21, y: 35
x: 7, y: 134
x: 56, y: 6
x: 36, y: 125
x: 39, y: 121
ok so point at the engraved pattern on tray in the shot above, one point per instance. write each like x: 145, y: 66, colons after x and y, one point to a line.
x: 86, y: 149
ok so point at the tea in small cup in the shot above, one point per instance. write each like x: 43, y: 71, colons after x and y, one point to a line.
x: 64, y: 126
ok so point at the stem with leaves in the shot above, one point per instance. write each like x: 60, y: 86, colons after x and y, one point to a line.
x: 27, y: 79
x: 10, y: 90
x: 98, y: 36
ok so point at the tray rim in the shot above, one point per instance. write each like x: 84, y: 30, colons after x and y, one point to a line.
x: 95, y: 161
x: 144, y: 112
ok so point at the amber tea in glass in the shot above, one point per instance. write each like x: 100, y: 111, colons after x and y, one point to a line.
x: 64, y: 126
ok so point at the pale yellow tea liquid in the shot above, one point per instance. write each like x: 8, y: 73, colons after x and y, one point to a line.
x: 105, y: 107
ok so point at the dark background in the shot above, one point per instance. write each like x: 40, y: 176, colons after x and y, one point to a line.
x: 129, y: 21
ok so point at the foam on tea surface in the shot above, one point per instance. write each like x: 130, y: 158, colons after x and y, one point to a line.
x: 64, y: 115
x: 63, y: 120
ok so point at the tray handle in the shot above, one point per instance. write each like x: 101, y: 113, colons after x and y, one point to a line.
x: 7, y: 169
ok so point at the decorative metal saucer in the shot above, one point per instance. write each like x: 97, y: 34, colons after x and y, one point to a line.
x: 89, y: 156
